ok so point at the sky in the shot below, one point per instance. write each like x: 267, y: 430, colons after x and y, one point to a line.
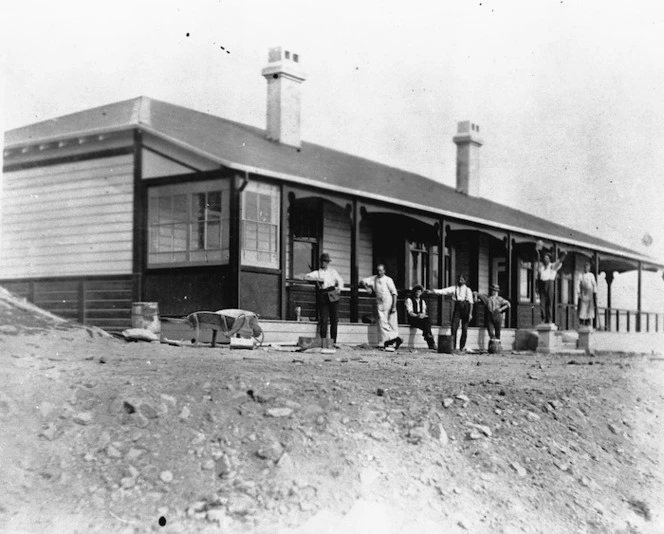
x: 569, y: 95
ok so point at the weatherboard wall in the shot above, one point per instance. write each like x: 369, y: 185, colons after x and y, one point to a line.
x: 336, y: 238
x: 67, y: 219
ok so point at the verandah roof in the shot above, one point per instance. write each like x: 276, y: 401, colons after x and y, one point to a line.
x: 245, y: 147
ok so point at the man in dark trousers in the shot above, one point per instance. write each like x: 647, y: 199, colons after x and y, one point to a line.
x: 329, y: 285
x: 463, y: 299
x: 495, y: 306
x: 546, y: 276
x: 416, y: 310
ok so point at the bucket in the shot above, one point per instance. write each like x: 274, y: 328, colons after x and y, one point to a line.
x: 495, y: 347
x: 445, y: 344
x: 146, y: 315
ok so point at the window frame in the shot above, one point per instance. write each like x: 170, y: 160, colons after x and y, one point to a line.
x: 526, y: 273
x: 422, y: 250
x: 204, y: 256
x: 273, y: 193
x: 312, y: 213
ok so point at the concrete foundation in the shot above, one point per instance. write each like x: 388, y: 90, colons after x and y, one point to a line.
x: 347, y: 334
x: 478, y: 339
x: 586, y: 338
x: 546, y: 337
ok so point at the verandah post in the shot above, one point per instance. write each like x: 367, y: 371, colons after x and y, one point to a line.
x: 139, y: 252
x: 596, y: 265
x: 354, y: 257
x: 282, y: 251
x: 442, y: 275
x: 556, y: 285
x: 510, y: 311
x: 638, y: 296
x: 234, y: 243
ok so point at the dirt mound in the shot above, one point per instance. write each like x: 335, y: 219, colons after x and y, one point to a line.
x: 178, y: 439
x: 20, y: 317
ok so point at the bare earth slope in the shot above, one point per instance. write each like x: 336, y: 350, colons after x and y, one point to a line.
x: 101, y: 435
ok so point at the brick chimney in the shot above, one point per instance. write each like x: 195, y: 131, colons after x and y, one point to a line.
x: 468, y: 144
x: 284, y: 76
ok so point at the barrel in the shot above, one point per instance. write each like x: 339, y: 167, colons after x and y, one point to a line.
x: 445, y: 344
x: 146, y: 315
x: 495, y: 347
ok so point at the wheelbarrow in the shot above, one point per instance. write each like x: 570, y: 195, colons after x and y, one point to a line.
x: 239, y: 325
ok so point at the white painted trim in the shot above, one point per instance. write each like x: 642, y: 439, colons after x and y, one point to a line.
x: 87, y: 133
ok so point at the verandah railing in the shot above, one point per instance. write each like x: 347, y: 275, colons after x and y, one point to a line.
x: 302, y: 295
x: 621, y: 320
x: 611, y: 319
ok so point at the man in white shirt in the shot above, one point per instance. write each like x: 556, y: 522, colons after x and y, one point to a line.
x: 385, y: 308
x: 546, y: 274
x: 463, y: 299
x: 329, y: 285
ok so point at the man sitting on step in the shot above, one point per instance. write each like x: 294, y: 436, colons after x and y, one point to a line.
x: 416, y: 309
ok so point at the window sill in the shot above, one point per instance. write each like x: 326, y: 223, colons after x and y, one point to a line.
x: 185, y: 264
x: 253, y: 269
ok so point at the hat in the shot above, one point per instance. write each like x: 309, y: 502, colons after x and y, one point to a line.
x: 325, y: 257
x: 495, y: 287
x: 417, y: 287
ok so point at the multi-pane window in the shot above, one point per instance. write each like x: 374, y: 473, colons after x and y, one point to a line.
x: 418, y: 266
x: 433, y: 261
x: 206, y: 224
x: 448, y: 267
x: 188, y: 224
x: 305, y: 255
x: 260, y: 225
x: 525, y: 280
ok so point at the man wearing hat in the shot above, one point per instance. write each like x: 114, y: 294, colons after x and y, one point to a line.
x: 416, y: 309
x: 462, y: 296
x: 495, y: 306
x: 329, y: 285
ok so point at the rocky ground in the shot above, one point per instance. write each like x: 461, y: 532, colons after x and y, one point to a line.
x: 102, y: 435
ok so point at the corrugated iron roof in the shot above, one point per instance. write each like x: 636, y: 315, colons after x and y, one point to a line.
x: 246, y: 147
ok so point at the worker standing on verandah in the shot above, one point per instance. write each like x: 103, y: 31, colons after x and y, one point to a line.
x: 462, y: 296
x: 546, y: 274
x: 586, y: 291
x: 385, y: 307
x: 329, y: 285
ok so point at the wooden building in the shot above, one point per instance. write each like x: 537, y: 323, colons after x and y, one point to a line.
x: 143, y: 200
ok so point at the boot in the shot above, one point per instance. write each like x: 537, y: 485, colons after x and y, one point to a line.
x: 430, y: 343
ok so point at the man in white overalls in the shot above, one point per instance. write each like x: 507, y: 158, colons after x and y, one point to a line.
x: 385, y: 307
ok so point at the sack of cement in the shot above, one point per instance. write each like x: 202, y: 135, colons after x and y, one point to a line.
x: 242, y: 343
x: 139, y: 334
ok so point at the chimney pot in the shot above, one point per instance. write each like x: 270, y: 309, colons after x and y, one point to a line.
x: 284, y: 78
x: 468, y: 144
